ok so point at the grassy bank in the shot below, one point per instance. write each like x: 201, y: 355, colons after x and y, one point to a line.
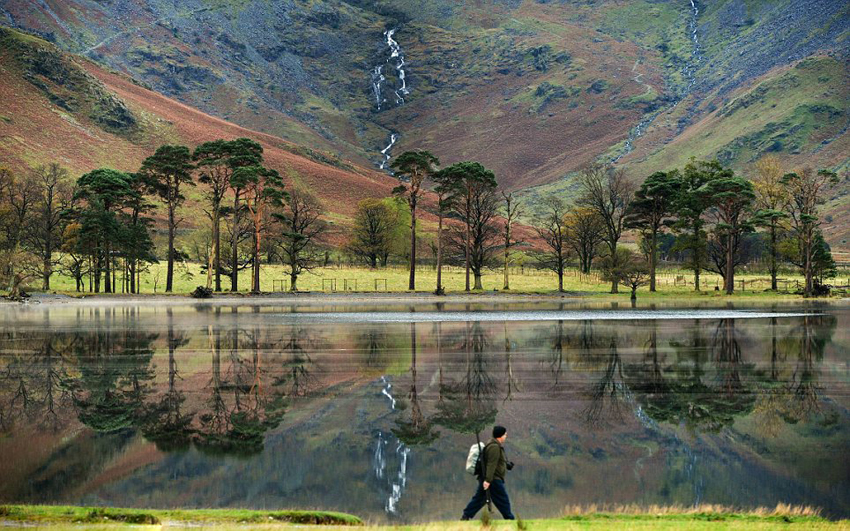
x: 65, y: 514
x: 394, y: 279
x: 703, y: 517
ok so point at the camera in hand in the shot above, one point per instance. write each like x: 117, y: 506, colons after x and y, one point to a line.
x: 510, y: 465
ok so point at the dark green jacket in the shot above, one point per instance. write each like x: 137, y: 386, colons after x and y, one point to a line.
x: 495, y: 462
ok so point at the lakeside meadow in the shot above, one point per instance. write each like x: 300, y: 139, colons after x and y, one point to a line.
x: 274, y: 279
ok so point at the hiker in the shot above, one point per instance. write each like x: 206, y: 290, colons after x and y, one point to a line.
x: 491, y: 481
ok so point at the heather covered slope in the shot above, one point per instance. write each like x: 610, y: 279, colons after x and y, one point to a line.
x: 59, y: 107
x: 533, y: 89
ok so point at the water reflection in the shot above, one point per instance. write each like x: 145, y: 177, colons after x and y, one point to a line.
x: 369, y: 417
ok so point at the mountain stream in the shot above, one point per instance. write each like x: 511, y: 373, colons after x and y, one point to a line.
x: 396, y: 61
x: 689, y: 71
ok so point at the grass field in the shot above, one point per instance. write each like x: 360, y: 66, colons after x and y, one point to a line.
x: 703, y: 517
x: 676, y: 283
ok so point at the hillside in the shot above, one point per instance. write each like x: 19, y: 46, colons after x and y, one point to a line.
x: 531, y: 88
x: 58, y: 107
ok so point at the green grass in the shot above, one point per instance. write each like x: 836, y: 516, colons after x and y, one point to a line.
x: 107, y: 515
x: 522, y: 280
x: 704, y: 517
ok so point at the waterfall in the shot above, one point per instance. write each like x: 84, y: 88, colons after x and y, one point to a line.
x: 689, y: 71
x: 396, y: 53
x: 398, y: 481
x: 386, y: 151
x: 696, y: 54
x: 378, y: 79
x: 395, y: 60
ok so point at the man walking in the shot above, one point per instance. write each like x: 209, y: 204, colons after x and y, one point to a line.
x: 491, y: 482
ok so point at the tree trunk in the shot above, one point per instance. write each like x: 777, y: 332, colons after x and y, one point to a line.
x: 47, y: 268
x: 478, y: 281
x: 773, y: 271
x: 439, y: 290
x: 467, y: 248
x: 614, y: 283
x: 411, y: 285
x: 212, y: 261
x: 507, y: 284
x: 561, y: 280
x: 653, y: 260
x: 807, y: 264
x: 169, y: 276
x: 107, y: 286
x: 730, y: 272
x: 234, y: 257
x: 217, y: 244
x: 256, y: 269
x: 697, y: 267
x: 293, y: 280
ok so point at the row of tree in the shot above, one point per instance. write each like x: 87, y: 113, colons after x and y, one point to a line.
x: 101, y: 223
x: 709, y: 209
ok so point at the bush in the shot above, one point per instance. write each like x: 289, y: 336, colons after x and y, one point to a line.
x: 202, y: 292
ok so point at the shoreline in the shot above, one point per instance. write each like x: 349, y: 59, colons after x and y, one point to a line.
x: 490, y: 297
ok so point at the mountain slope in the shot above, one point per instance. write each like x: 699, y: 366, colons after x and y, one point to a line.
x: 531, y: 88
x: 57, y: 107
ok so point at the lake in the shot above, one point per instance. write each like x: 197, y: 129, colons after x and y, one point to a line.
x: 371, y: 407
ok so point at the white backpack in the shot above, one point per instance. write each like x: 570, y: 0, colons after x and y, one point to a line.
x: 472, y: 457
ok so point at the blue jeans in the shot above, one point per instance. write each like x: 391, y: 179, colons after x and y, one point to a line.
x: 499, y: 496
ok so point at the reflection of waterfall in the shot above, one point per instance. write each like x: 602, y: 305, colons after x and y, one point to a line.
x: 397, y: 482
x: 379, y: 79
x: 689, y: 71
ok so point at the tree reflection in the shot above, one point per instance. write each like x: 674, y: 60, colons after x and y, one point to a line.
x: 243, y: 407
x: 32, y: 381
x: 104, y: 374
x: 511, y: 381
x: 467, y: 406
x: 607, y: 396
x: 115, y: 373
x: 373, y: 342
x: 164, y: 423
x: 417, y: 430
x: 684, y: 397
x: 296, y: 378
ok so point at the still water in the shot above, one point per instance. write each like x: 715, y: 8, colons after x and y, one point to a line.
x: 371, y: 409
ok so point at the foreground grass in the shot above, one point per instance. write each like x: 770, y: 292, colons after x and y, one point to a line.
x: 65, y: 514
x: 394, y: 279
x: 629, y: 517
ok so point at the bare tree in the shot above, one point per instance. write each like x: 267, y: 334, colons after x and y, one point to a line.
x: 583, y: 234
x: 772, y: 202
x: 55, y: 194
x: 478, y: 239
x: 607, y: 191
x: 372, y: 238
x: 301, y: 228
x: 806, y: 189
x: 552, y: 229
x: 511, y: 211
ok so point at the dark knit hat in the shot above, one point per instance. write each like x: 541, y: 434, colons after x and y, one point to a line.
x: 498, y: 431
